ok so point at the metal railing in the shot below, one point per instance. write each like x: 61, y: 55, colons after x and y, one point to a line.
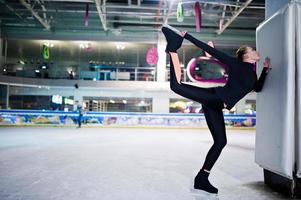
x: 99, y: 74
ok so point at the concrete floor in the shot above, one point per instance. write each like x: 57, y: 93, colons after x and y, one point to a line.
x: 124, y: 164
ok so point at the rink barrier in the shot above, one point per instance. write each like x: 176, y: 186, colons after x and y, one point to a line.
x: 117, y: 119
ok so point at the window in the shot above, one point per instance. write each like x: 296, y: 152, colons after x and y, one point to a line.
x: 117, y: 104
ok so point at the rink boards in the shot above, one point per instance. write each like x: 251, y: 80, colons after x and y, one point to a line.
x: 21, y: 117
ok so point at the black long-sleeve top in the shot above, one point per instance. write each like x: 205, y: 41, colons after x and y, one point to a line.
x: 242, y: 79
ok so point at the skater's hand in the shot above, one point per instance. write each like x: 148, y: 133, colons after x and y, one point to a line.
x: 183, y: 33
x: 267, y: 64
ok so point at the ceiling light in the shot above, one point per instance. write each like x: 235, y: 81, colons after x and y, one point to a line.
x: 120, y: 46
x: 48, y: 44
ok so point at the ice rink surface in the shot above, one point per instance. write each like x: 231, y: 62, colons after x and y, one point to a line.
x: 124, y: 164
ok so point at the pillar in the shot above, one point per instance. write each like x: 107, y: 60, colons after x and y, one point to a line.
x: 161, y: 66
x: 78, y: 97
x: 160, y: 104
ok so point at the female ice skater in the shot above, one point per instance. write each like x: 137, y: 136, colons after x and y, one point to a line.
x: 242, y: 79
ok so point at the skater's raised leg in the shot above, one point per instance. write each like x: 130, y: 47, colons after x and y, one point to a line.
x: 213, y: 114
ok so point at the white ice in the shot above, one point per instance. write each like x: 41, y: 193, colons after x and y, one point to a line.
x: 124, y: 164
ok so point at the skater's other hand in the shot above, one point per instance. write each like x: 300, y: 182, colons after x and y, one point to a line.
x: 183, y: 33
x: 267, y: 64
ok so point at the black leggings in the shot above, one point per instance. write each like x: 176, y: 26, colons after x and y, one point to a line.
x: 212, y: 107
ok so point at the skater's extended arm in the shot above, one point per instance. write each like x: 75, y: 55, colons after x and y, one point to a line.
x: 259, y: 83
x: 267, y: 67
x: 224, y: 58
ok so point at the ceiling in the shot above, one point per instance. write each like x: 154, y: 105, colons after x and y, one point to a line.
x: 128, y: 20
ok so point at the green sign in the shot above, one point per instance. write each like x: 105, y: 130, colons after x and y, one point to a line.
x: 45, y: 51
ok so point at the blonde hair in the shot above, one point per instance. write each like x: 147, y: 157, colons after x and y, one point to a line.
x: 241, y: 52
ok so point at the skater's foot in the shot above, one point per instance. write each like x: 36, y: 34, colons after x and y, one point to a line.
x: 174, y: 41
x: 201, y: 182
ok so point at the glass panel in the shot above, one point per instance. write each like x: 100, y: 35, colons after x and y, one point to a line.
x: 117, y: 104
x: 88, y: 60
x: 26, y: 98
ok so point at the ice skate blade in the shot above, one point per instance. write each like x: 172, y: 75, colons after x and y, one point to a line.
x: 203, y: 195
x: 173, y: 29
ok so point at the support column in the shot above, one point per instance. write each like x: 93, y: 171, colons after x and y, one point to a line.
x: 160, y: 104
x: 7, y: 97
x: 78, y: 97
x: 161, y: 66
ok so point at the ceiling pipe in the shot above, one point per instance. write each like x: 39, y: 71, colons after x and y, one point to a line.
x: 221, y: 21
x: 101, y: 15
x: 157, y: 19
x: 143, y: 7
x: 233, y: 17
x: 165, y: 20
x: 28, y: 6
x: 44, y: 9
